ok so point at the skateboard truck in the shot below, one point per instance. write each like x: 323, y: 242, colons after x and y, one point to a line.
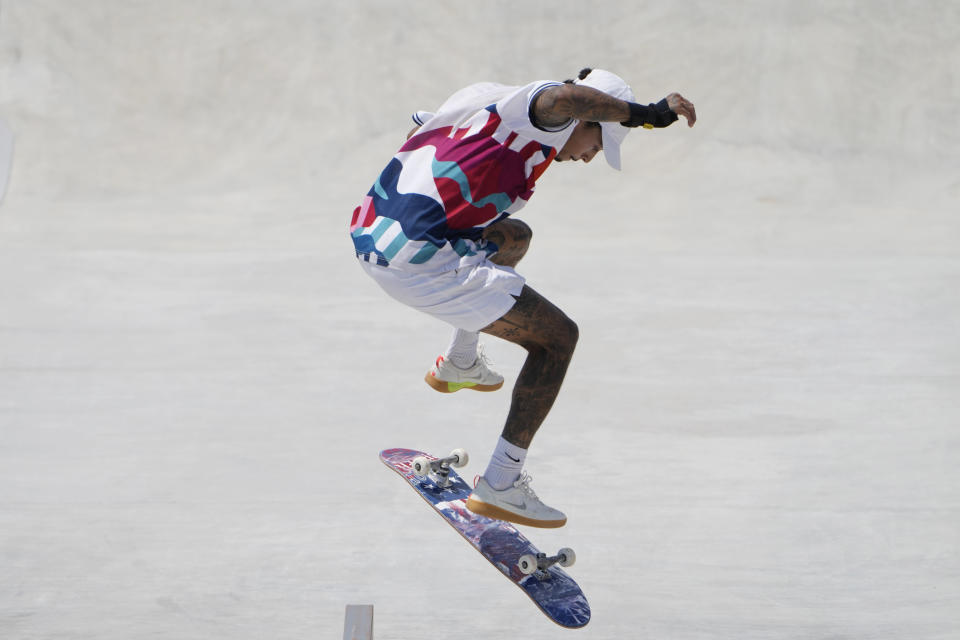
x: 538, y: 564
x: 424, y: 466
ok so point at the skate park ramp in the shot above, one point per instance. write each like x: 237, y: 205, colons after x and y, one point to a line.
x: 757, y: 437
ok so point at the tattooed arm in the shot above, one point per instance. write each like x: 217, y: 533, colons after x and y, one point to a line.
x: 557, y: 105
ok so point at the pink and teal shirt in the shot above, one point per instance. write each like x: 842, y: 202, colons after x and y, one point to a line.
x: 473, y: 163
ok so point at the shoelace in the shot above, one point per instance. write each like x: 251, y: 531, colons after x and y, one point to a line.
x: 483, y: 357
x: 523, y: 483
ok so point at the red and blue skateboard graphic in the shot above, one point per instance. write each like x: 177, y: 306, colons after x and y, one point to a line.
x: 538, y: 575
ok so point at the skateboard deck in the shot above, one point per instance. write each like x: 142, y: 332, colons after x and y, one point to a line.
x: 551, y: 589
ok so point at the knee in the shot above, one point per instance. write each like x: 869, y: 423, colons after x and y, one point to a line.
x: 512, y: 238
x: 570, y: 334
x: 522, y: 233
x: 560, y: 341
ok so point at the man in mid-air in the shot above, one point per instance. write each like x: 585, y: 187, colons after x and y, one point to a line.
x: 435, y: 233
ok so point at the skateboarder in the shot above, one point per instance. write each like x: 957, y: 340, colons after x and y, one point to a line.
x: 435, y: 233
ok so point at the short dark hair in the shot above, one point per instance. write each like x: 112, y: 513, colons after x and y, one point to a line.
x: 580, y: 76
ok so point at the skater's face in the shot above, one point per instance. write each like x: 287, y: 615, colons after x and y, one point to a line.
x: 585, y: 142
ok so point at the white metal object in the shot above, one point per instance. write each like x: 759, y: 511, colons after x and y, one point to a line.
x: 358, y: 622
x: 6, y: 156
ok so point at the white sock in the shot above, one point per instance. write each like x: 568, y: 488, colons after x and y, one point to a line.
x: 462, y: 351
x: 505, y: 465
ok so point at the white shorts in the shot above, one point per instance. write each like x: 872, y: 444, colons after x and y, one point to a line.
x: 469, y: 297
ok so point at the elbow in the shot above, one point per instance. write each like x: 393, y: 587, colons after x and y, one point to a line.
x: 556, y: 103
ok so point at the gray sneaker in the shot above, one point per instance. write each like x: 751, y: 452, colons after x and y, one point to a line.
x: 517, y: 503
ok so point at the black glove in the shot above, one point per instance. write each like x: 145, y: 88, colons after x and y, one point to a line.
x: 650, y: 116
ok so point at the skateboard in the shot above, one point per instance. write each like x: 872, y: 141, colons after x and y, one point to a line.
x: 536, y: 573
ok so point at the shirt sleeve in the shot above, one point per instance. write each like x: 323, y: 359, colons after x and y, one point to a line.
x: 421, y: 117
x: 515, y: 111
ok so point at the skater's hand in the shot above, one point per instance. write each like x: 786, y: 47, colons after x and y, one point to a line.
x: 682, y: 107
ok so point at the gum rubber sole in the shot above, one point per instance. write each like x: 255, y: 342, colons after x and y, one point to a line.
x: 449, y: 387
x: 491, y: 511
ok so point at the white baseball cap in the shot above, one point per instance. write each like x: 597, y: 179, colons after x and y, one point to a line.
x: 613, y: 132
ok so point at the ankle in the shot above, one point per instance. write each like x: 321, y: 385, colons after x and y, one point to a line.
x: 462, y: 352
x: 461, y: 361
x: 505, y: 466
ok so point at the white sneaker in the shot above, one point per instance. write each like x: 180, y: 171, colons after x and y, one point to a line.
x: 447, y: 377
x: 517, y: 503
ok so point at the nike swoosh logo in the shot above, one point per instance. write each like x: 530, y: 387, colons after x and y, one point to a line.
x: 511, y: 457
x: 522, y: 506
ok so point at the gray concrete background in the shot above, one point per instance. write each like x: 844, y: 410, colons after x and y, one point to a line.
x: 758, y: 437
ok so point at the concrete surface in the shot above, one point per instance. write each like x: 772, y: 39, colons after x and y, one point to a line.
x: 758, y: 437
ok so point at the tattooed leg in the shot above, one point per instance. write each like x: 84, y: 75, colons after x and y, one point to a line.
x: 549, y: 337
x: 512, y: 237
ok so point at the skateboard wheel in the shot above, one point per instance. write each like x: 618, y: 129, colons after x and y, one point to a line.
x: 568, y: 557
x: 421, y: 466
x: 527, y: 564
x: 461, y: 458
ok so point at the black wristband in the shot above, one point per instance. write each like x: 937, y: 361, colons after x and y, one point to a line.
x: 650, y: 116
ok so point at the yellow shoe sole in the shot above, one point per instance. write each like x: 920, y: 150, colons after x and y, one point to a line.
x: 449, y: 387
